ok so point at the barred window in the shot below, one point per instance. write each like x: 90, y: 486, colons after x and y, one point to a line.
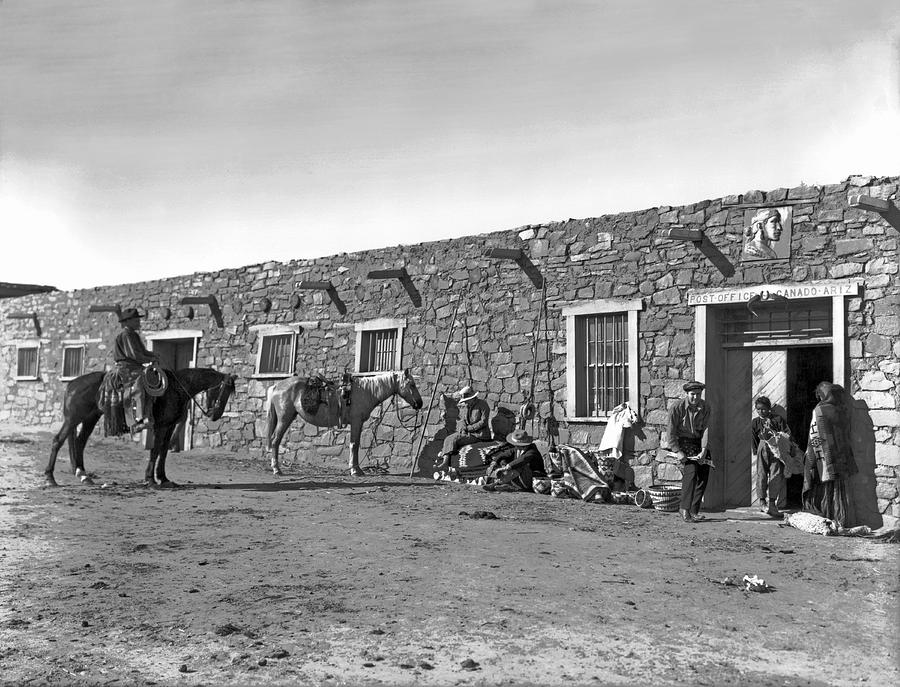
x: 27, y: 361
x: 379, y: 345
x: 601, y: 356
x: 73, y: 362
x: 603, y: 373
x: 276, y: 354
x: 379, y: 350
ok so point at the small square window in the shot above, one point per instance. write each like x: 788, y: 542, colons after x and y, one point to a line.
x: 73, y: 362
x: 378, y: 351
x: 276, y: 354
x: 27, y: 361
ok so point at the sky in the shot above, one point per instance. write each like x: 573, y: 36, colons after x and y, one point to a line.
x: 142, y: 140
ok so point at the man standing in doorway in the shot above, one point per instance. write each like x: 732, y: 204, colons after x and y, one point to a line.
x: 688, y: 440
x: 130, y: 355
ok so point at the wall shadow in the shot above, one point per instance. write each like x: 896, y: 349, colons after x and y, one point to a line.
x: 861, y: 488
x: 450, y: 416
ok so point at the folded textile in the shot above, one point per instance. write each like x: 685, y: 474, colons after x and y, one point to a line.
x: 581, y: 475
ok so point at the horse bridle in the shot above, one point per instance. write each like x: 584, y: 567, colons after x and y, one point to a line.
x: 415, y: 425
x: 226, y: 381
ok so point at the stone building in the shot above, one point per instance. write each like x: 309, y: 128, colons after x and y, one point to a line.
x: 636, y: 304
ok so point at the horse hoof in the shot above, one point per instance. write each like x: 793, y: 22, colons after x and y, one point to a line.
x: 87, y: 480
x: 50, y: 481
x: 357, y: 472
x: 168, y: 485
x: 277, y: 473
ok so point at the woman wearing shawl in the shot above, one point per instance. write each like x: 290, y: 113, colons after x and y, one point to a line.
x: 829, y: 457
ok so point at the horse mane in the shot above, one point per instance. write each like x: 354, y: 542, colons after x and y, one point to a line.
x: 380, y: 385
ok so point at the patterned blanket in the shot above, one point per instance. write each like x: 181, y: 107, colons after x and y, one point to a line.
x: 472, y: 460
x: 583, y: 476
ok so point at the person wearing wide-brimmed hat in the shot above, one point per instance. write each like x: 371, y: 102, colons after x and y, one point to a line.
x: 514, y: 464
x: 474, y: 416
x: 688, y: 440
x: 130, y: 355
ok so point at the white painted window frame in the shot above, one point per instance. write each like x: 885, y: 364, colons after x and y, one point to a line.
x: 266, y: 330
x: 372, y: 325
x: 27, y: 344
x: 603, y: 306
x: 63, y: 377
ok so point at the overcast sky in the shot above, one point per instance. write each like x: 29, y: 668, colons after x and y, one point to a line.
x: 140, y: 140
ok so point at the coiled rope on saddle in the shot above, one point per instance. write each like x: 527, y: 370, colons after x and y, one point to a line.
x: 154, y: 380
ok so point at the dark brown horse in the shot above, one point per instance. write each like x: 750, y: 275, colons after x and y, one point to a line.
x: 367, y: 392
x: 80, y: 408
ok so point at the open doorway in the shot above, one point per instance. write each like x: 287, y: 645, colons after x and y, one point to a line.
x: 176, y: 354
x: 806, y: 367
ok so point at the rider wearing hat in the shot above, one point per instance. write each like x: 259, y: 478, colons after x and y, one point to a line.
x: 474, y: 416
x: 688, y: 440
x: 130, y: 356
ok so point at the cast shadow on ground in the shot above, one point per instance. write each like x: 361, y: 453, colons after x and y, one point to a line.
x: 307, y: 485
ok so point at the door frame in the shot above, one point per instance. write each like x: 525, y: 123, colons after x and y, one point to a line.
x: 179, y: 334
x: 709, y: 354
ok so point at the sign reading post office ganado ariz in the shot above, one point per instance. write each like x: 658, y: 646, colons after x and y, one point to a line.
x: 819, y: 289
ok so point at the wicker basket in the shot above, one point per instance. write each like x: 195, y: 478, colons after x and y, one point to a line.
x: 643, y: 499
x: 665, y: 497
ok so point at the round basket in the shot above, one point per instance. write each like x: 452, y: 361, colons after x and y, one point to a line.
x: 643, y: 499
x: 665, y: 497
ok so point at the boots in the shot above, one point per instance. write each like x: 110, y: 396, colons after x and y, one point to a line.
x: 686, y: 515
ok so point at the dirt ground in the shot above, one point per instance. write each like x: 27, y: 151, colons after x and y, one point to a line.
x: 240, y: 577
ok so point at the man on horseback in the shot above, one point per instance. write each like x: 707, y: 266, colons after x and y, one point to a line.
x: 130, y: 356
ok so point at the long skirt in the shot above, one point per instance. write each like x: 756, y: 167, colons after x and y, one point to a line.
x: 828, y: 499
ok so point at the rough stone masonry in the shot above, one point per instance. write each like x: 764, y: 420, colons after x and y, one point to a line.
x: 621, y: 257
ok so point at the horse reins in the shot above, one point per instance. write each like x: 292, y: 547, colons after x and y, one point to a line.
x: 221, y: 384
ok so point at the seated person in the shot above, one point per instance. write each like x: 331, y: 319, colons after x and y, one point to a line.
x: 474, y: 416
x: 514, y: 464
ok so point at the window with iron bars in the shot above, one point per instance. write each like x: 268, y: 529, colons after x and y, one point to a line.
x: 378, y: 352
x: 276, y: 354
x: 601, y: 362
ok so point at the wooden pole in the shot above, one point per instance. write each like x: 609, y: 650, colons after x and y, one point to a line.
x: 415, y: 460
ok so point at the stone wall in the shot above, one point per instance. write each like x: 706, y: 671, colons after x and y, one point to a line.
x: 611, y: 256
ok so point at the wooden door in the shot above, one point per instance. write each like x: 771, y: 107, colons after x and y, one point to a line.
x: 734, y: 467
x: 770, y: 380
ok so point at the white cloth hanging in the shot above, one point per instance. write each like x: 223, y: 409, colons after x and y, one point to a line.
x: 621, y: 417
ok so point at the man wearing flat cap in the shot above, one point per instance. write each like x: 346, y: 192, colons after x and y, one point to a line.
x: 688, y: 440
x: 474, y: 415
x: 130, y: 355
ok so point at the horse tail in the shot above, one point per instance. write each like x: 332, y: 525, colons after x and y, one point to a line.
x: 271, y: 417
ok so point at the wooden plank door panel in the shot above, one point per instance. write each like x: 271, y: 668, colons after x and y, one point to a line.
x: 736, y: 416
x: 770, y: 380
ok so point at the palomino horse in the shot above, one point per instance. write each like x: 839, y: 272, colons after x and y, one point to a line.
x: 367, y: 392
x: 80, y: 408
